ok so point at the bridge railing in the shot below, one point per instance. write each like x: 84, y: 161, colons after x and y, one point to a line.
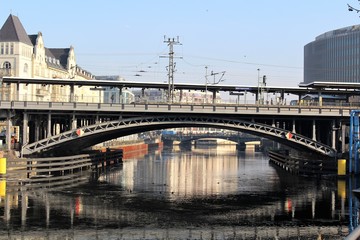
x: 37, y: 170
x: 181, y: 108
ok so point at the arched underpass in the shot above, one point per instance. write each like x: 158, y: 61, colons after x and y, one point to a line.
x: 73, y: 141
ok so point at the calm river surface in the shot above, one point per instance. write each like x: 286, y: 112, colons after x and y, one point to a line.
x: 209, y: 193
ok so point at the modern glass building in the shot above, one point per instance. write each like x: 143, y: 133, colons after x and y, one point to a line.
x: 334, y: 56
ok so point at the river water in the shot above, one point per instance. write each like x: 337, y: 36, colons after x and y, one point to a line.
x: 202, y: 193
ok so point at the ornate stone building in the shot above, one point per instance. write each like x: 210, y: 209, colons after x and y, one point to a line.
x: 23, y: 55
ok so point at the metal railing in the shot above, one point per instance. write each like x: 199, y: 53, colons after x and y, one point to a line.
x: 180, y: 108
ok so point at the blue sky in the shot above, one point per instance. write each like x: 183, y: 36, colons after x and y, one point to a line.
x: 124, y: 37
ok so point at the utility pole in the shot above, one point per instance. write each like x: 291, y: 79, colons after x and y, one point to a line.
x: 171, y: 67
x: 214, y: 83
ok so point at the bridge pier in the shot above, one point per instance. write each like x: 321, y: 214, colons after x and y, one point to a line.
x: 25, y: 133
x: 241, y: 146
x: 48, y: 125
x: 185, y: 144
x: 8, y: 130
x: 74, y: 122
x: 314, y: 130
x: 167, y: 142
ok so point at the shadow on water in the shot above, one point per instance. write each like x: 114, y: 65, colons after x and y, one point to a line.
x: 177, y: 194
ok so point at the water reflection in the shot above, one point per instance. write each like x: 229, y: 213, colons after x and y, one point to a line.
x: 201, y: 172
x: 203, y: 193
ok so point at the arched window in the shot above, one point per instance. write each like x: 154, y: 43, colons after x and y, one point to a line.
x: 7, y: 65
x: 26, y: 68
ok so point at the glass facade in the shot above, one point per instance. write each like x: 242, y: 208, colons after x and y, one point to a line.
x: 334, y: 56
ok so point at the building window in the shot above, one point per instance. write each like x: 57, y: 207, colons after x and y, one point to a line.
x: 26, y: 68
x: 12, y: 48
x: 7, y: 65
x: 2, y: 49
x: 6, y: 48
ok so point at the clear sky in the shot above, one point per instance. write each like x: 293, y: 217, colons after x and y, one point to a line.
x: 126, y: 37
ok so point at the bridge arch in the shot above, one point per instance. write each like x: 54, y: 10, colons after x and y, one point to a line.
x: 74, y: 140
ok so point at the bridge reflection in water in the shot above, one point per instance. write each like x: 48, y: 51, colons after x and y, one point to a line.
x: 200, y: 194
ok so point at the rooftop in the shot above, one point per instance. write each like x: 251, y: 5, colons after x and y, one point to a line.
x: 339, y: 32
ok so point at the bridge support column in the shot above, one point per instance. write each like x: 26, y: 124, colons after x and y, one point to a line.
x: 320, y: 99
x: 8, y: 130
x: 181, y: 95
x: 333, y: 136
x: 48, y: 132
x: 25, y: 132
x: 72, y: 95
x: 37, y: 129
x: 343, y: 136
x: 314, y: 130
x: 73, y: 122
x: 120, y: 95
x: 241, y: 146
x: 17, y: 92
x: 293, y: 126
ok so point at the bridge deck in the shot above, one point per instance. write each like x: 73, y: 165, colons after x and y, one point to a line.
x: 334, y: 111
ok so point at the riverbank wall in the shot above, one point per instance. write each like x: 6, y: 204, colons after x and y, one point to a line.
x: 302, y: 164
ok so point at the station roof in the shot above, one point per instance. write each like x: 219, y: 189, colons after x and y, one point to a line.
x: 324, y: 87
x: 333, y: 85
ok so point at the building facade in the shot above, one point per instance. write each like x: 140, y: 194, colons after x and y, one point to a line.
x: 23, y: 55
x: 334, y: 56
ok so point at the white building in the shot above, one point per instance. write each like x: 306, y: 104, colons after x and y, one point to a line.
x: 23, y: 55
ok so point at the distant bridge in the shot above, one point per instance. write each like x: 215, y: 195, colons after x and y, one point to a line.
x: 234, y: 137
